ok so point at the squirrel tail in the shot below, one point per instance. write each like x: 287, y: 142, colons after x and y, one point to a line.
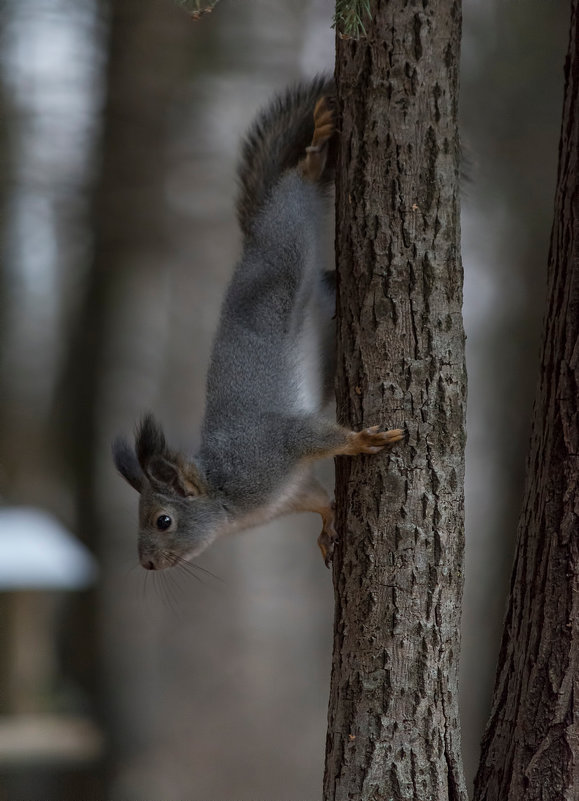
x: 275, y: 142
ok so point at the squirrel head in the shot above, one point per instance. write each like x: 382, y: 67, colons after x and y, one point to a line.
x: 178, y: 518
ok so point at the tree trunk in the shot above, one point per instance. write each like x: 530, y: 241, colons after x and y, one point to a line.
x: 393, y: 730
x: 531, y: 746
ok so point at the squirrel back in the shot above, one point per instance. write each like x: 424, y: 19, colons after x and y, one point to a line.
x: 275, y: 143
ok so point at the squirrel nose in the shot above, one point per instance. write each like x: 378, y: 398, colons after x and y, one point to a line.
x: 149, y: 565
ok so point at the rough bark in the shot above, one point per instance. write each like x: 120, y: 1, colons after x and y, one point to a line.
x: 531, y: 745
x: 393, y: 730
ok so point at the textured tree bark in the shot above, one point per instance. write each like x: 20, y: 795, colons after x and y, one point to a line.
x: 393, y: 730
x: 531, y: 746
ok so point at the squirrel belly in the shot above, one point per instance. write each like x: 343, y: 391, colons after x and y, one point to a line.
x: 313, y: 362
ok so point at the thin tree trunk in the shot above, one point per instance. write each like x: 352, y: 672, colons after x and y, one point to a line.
x: 393, y: 730
x: 531, y: 746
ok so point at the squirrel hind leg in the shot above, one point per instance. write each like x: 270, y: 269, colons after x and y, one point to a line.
x: 328, y: 538
x: 313, y: 165
x: 313, y: 497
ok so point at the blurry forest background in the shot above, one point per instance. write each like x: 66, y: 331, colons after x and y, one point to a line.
x: 121, y: 122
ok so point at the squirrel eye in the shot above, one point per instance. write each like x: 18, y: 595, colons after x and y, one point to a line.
x: 163, y: 522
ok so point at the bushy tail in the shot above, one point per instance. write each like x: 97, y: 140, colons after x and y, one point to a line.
x: 276, y: 142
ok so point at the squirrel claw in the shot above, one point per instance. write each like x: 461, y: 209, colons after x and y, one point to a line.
x: 327, y: 543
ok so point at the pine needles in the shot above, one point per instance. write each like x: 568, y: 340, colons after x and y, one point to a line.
x: 350, y: 16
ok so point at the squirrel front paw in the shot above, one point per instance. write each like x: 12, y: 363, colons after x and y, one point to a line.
x: 372, y: 440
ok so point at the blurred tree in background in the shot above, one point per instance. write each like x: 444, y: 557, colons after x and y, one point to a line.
x: 530, y: 744
x: 511, y: 99
x: 125, y: 284
x: 121, y: 122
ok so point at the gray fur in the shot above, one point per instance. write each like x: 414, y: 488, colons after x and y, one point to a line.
x: 275, y: 143
x: 271, y: 370
x: 268, y: 368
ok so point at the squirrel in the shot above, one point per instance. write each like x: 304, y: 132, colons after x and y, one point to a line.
x: 271, y: 371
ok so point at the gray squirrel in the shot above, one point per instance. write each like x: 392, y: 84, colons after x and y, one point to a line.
x: 271, y: 370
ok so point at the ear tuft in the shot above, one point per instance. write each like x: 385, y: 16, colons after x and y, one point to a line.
x: 127, y: 464
x: 149, y: 441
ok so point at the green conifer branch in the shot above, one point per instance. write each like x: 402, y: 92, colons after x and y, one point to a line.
x: 350, y: 16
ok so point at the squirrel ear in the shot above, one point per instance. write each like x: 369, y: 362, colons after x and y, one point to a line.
x: 127, y: 464
x: 173, y: 474
x: 149, y: 441
x: 167, y: 471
